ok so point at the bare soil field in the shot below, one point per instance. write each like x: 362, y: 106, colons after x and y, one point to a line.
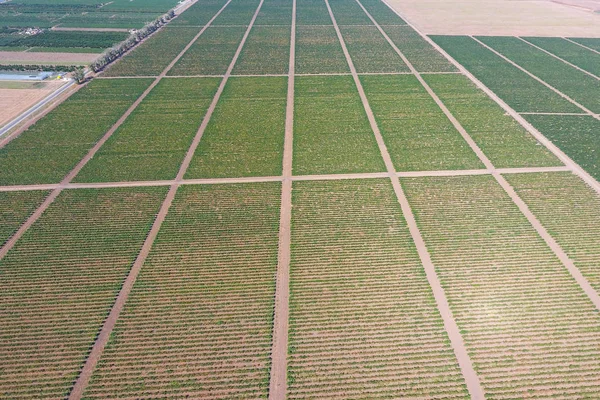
x: 10, y: 57
x: 15, y: 98
x: 502, y: 17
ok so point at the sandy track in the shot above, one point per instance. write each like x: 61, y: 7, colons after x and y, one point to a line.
x: 456, y: 340
x: 279, y: 351
x: 109, y: 324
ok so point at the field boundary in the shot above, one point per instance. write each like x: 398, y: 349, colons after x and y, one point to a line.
x: 457, y: 343
x: 279, y: 351
x: 109, y: 324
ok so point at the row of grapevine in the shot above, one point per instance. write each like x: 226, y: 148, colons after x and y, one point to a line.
x: 152, y: 142
x: 331, y: 130
x: 363, y: 321
x: 529, y: 329
x: 506, y: 143
x: 59, y: 282
x: 418, y: 136
x: 47, y: 151
x: 16, y: 207
x: 198, y: 322
x: 245, y: 134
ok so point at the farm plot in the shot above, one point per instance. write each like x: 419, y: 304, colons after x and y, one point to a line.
x: 318, y: 50
x: 421, y: 54
x: 211, y: 54
x: 506, y: 143
x: 515, y: 87
x: 275, y: 12
x: 348, y: 12
x: 363, y: 321
x: 576, y: 135
x: 331, y: 130
x: 312, y: 12
x: 153, y: 141
x: 530, y: 330
x: 576, y: 84
x: 48, y: 150
x: 370, y: 51
x: 15, y: 207
x: 126, y: 20
x: 382, y: 13
x: 592, y: 43
x: 198, y: 14
x: 418, y: 135
x: 570, y: 210
x: 266, y: 51
x: 72, y: 39
x: 570, y: 52
x: 155, y: 54
x: 59, y: 282
x: 198, y: 322
x: 239, y: 12
x: 246, y: 132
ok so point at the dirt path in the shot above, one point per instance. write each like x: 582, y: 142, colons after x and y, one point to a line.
x: 555, y: 90
x: 108, y: 326
x: 464, y: 361
x: 559, y: 58
x: 279, y: 351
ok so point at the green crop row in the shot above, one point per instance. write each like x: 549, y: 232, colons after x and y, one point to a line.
x: 576, y: 84
x: 59, y: 282
x: 238, y: 12
x: 570, y: 210
x: 515, y: 87
x: 152, y: 56
x: 246, y: 132
x: 526, y: 323
x: 266, y: 51
x: 211, y: 54
x: 318, y: 50
x: 570, y: 52
x: 199, y: 13
x: 275, y: 12
x: 331, y: 130
x: 506, y: 143
x: 370, y: 51
x: 363, y: 321
x: 153, y: 141
x: 418, y: 136
x: 47, y: 151
x: 198, y: 322
x: 348, y: 12
x: 16, y: 207
x: 576, y: 135
x: 312, y: 12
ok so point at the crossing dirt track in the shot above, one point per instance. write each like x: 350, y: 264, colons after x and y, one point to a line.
x: 309, y: 199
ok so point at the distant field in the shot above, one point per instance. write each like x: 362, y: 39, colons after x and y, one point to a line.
x: 306, y: 200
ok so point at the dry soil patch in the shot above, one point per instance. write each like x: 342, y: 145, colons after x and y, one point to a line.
x: 14, y: 99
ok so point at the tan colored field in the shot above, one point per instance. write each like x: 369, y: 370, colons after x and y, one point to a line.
x: 16, y: 97
x: 11, y: 57
x: 502, y: 17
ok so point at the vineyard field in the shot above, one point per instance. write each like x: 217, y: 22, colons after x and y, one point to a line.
x: 199, y: 319
x: 267, y: 51
x: 152, y: 143
x: 240, y: 13
x: 54, y: 145
x: 60, y: 281
x: 245, y: 135
x: 348, y: 12
x: 318, y: 50
x: 568, y: 51
x: 506, y: 143
x: 331, y: 130
x: 363, y: 322
x: 312, y: 12
x: 275, y: 12
x: 416, y: 132
x: 198, y: 14
x: 16, y: 207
